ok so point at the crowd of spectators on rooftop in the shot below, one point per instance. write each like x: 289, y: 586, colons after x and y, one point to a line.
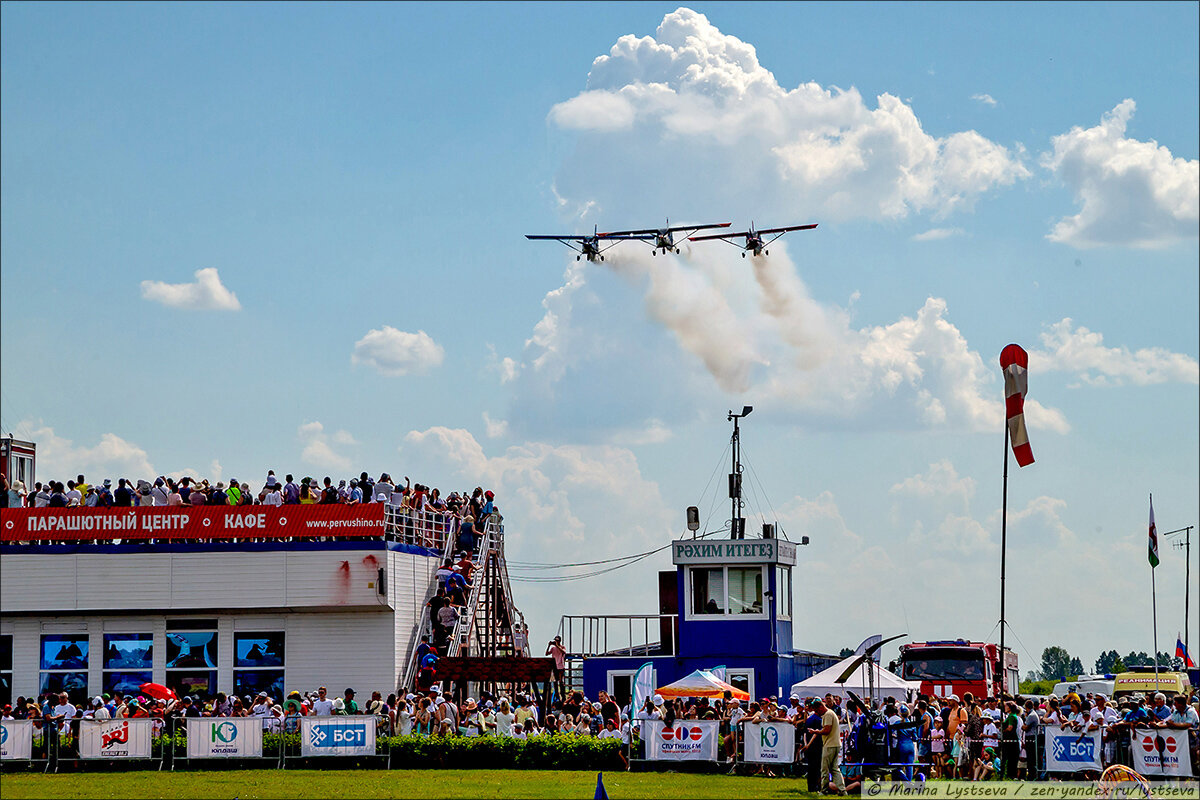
x: 187, y: 491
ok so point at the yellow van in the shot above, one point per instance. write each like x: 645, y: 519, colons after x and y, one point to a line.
x: 1143, y: 683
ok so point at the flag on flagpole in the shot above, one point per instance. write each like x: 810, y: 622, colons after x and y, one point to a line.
x: 1015, y: 363
x: 1153, y: 537
x: 641, y: 688
x: 1181, y: 652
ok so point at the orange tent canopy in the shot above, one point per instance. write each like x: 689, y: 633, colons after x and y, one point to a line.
x: 702, y: 683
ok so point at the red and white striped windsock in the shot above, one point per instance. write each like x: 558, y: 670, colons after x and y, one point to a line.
x: 1015, y: 363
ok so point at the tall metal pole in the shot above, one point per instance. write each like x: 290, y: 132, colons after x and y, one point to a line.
x: 1186, y: 544
x: 735, y: 482
x: 1003, y: 682
x: 1154, y: 607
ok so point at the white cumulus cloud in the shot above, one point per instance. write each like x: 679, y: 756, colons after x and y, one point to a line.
x: 985, y: 98
x: 206, y: 293
x: 59, y: 458
x: 1071, y: 348
x: 693, y: 95
x: 318, y: 446
x: 396, y: 353
x: 934, y: 234
x: 1132, y: 193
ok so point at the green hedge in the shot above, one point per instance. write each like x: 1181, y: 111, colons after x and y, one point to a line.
x: 557, y: 751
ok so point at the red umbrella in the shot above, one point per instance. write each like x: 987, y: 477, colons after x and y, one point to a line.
x: 158, y: 691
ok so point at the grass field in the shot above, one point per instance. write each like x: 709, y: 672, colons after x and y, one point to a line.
x: 248, y: 784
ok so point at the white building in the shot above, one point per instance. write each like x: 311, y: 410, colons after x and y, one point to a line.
x: 209, y: 614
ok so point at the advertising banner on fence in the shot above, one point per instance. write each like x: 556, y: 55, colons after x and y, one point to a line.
x: 1162, y: 752
x: 1070, y: 751
x: 688, y: 740
x: 115, y: 738
x: 769, y: 742
x: 337, y: 736
x: 225, y: 738
x: 16, y: 739
x: 165, y: 523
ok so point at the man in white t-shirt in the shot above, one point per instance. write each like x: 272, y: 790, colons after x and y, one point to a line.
x: 794, y: 709
x: 64, y: 711
x: 322, y: 706
x: 159, y: 494
x: 74, y: 496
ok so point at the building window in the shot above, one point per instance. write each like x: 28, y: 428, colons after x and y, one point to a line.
x: 128, y: 660
x: 6, y: 659
x: 708, y: 591
x: 745, y: 590
x: 192, y: 662
x: 783, y: 592
x: 741, y: 679
x: 64, y: 665
x: 258, y: 660
x: 727, y: 591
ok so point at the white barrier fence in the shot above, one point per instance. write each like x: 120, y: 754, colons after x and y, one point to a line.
x: 115, y: 738
x: 1162, y: 753
x: 337, y: 736
x: 224, y: 737
x: 769, y: 742
x: 687, y: 740
x: 16, y: 740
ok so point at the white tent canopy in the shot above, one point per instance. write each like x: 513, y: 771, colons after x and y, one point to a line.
x: 886, y: 683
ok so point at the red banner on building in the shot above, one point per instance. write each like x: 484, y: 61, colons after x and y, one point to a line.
x: 170, y: 523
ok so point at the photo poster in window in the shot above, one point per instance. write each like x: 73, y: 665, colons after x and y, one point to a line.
x: 65, y: 651
x: 125, y: 682
x: 249, y: 682
x: 128, y: 651
x: 258, y: 650
x: 73, y: 683
x: 201, y: 683
x: 191, y: 649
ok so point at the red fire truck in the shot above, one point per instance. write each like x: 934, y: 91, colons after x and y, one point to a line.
x: 957, y: 666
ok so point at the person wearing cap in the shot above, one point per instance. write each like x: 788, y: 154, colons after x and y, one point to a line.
x: 556, y: 651
x: 794, y: 709
x: 97, y: 711
x: 987, y: 765
x: 351, y: 706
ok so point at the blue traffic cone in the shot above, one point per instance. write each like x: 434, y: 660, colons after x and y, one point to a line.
x: 600, y: 793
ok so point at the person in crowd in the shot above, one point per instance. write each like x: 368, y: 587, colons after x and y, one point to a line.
x: 831, y: 749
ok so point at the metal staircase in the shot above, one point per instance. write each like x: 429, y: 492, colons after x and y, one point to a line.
x: 489, y: 624
x: 425, y: 626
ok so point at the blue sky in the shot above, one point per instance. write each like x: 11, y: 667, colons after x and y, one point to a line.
x: 360, y: 178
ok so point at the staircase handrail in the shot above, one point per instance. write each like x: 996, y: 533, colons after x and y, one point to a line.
x: 466, y: 620
x: 426, y: 623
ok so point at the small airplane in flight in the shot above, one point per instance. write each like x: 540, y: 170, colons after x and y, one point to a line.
x: 754, y: 239
x: 664, y: 238
x: 591, y: 247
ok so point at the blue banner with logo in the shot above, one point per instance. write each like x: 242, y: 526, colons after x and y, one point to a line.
x: 1070, y: 751
x: 224, y: 737
x: 337, y: 736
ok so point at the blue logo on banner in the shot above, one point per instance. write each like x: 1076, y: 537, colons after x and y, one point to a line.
x: 1069, y: 749
x: 338, y: 735
x: 3, y: 734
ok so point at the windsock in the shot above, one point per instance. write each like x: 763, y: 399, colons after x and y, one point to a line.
x: 1015, y: 363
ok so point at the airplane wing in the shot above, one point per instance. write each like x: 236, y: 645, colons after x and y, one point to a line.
x: 768, y: 231
x: 673, y: 228
x: 630, y: 234
x: 556, y: 238
x: 700, y: 227
x: 718, y: 236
